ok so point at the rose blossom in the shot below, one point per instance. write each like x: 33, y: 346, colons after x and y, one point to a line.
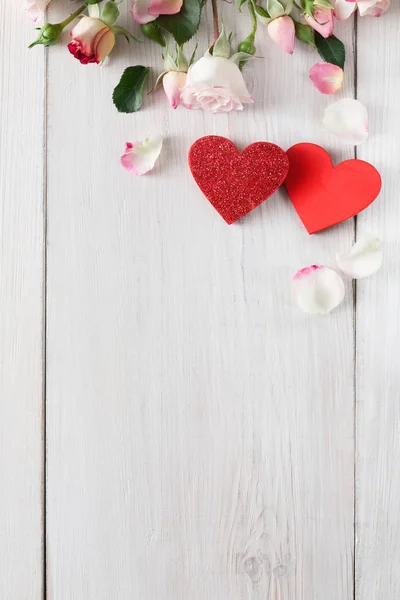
x: 34, y: 8
x: 91, y: 40
x: 216, y: 84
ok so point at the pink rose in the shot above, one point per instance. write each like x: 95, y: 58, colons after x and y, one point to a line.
x: 144, y: 11
x: 215, y: 84
x: 91, y: 40
x: 322, y: 21
x: 173, y: 83
x: 34, y: 8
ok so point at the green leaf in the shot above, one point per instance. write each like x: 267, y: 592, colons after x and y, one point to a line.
x: 323, y: 4
x: 118, y: 30
x: 262, y: 14
x: 94, y: 11
x: 153, y: 32
x: 184, y: 24
x: 240, y: 3
x: 305, y: 33
x: 240, y: 56
x: 128, y: 95
x: 330, y: 49
x: 275, y: 9
x: 309, y: 7
x: 222, y: 47
x: 289, y: 7
x: 110, y: 13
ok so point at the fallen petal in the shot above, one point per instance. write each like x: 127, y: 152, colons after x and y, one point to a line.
x: 348, y: 119
x: 326, y: 77
x: 364, y: 258
x: 318, y: 289
x: 140, y: 157
x: 281, y: 31
x: 344, y: 9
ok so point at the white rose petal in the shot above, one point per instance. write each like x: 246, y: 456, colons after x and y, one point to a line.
x: 364, y: 258
x: 140, y: 157
x: 318, y: 289
x: 344, y: 9
x: 348, y: 119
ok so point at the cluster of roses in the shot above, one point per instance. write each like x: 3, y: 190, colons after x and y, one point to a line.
x: 215, y: 82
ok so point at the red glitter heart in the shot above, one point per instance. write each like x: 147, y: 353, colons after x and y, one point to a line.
x: 324, y: 195
x: 236, y: 182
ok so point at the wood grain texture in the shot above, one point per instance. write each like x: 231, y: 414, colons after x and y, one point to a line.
x: 378, y: 324
x: 21, y: 304
x: 200, y: 427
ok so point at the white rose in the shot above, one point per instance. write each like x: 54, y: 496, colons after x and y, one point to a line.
x: 216, y: 84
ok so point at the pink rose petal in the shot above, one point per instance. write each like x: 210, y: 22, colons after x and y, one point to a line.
x: 318, y: 289
x: 326, y: 77
x: 165, y: 7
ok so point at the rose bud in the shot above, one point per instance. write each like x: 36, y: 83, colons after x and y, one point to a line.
x: 91, y: 41
x: 48, y: 35
x: 153, y: 32
x: 173, y: 83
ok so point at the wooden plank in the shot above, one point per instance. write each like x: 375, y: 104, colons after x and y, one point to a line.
x: 21, y: 308
x: 200, y: 427
x: 378, y: 323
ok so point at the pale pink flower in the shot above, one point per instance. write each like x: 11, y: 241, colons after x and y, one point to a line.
x: 215, y: 84
x: 322, y: 21
x: 318, y: 289
x: 326, y: 77
x: 173, y: 83
x: 363, y: 259
x: 34, y: 8
x: 140, y: 157
x: 144, y: 11
x: 91, y: 40
x: 347, y: 119
x: 281, y: 31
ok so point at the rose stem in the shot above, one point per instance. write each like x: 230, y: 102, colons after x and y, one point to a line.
x: 215, y: 19
x: 73, y: 16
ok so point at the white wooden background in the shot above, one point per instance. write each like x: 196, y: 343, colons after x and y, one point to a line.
x: 172, y: 427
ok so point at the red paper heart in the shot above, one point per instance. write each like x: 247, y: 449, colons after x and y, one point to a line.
x: 236, y: 182
x: 324, y: 195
